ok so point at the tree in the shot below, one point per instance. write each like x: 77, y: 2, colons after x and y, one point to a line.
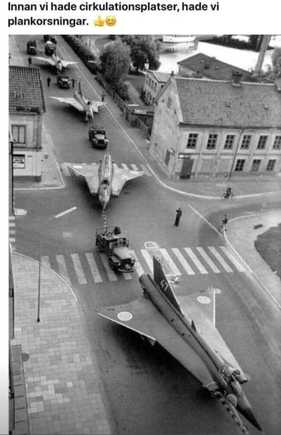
x: 115, y: 62
x: 144, y: 50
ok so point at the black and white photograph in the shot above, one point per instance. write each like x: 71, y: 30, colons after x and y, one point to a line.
x: 144, y: 234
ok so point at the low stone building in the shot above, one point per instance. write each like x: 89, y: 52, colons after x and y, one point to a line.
x: 153, y: 83
x: 217, y: 128
x: 26, y: 107
x: 202, y: 66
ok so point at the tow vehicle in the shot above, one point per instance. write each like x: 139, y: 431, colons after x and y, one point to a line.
x: 31, y: 47
x: 50, y: 48
x: 98, y: 137
x: 64, y: 82
x: 115, y: 246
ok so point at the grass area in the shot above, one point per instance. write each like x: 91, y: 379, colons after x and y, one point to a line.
x: 268, y: 245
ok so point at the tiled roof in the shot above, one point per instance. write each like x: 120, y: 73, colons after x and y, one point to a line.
x: 160, y: 76
x: 220, y: 103
x: 25, y: 89
x: 211, y: 67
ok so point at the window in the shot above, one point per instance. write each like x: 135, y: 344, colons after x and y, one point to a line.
x: 192, y: 140
x: 246, y: 142
x: 19, y: 161
x: 212, y: 140
x: 229, y: 141
x: 262, y: 142
x: 277, y: 143
x: 19, y: 134
x: 239, y: 165
x: 256, y: 165
x: 270, y: 165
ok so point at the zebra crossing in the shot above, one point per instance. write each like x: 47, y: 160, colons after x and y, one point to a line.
x: 12, y: 230
x: 132, y: 167
x: 92, y: 267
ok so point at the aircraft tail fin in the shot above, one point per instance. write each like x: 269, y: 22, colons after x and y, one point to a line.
x: 163, y: 284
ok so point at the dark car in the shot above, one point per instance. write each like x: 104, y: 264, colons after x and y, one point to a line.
x: 98, y: 137
x: 31, y: 47
x: 64, y: 82
x: 50, y: 48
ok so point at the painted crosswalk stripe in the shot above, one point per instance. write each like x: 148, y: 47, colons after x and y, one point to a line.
x: 183, y: 261
x: 169, y: 261
x: 232, y: 258
x: 220, y: 259
x: 134, y: 167
x: 62, y: 266
x: 78, y: 269
x: 147, y: 258
x: 138, y: 266
x: 196, y: 261
x: 109, y: 272
x: 208, y: 260
x: 93, y: 268
x: 145, y: 170
x: 45, y: 261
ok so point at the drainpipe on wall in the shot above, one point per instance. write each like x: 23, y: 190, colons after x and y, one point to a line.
x: 235, y: 154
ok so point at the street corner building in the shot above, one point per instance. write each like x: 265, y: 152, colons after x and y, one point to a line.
x: 217, y: 128
x: 26, y: 108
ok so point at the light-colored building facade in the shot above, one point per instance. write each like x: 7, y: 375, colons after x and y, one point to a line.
x: 217, y: 128
x: 26, y: 107
x: 153, y: 83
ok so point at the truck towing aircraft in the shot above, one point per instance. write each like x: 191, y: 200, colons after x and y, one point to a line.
x: 104, y: 178
x: 187, y: 334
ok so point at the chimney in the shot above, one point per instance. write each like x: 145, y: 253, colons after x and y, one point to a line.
x: 236, y: 78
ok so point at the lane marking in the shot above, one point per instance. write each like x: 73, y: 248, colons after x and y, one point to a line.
x: 147, y: 258
x: 232, y: 258
x: 218, y: 256
x: 196, y: 261
x: 63, y: 213
x: 208, y: 260
x: 78, y: 268
x: 93, y: 268
x: 183, y: 261
x: 169, y: 262
x: 109, y: 272
x: 62, y: 267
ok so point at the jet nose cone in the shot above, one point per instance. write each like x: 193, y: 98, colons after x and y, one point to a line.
x: 245, y: 409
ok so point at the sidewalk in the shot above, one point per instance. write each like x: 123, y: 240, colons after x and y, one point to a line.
x: 63, y: 387
x: 242, y: 233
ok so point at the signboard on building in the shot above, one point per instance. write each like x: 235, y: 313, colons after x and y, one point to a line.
x: 183, y: 156
x: 18, y: 161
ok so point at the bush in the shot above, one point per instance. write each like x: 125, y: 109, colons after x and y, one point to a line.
x: 122, y: 90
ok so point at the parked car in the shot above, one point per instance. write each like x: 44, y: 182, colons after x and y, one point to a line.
x: 31, y: 47
x: 64, y: 82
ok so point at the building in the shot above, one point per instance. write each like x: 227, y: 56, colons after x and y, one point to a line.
x: 205, y: 127
x: 200, y: 65
x: 153, y: 83
x: 26, y: 107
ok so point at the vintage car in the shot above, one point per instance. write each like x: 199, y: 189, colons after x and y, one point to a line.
x: 64, y: 82
x: 98, y: 137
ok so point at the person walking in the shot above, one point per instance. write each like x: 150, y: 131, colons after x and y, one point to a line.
x: 73, y: 83
x: 224, y: 223
x: 178, y: 216
x: 29, y: 61
x: 102, y: 97
x: 48, y: 81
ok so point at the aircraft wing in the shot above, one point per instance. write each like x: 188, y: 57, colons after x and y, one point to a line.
x: 142, y: 317
x: 71, y: 102
x: 121, y: 176
x: 201, y: 314
x: 89, y: 172
x: 47, y: 60
x: 66, y: 63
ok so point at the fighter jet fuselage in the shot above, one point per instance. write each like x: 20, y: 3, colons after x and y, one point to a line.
x: 105, y: 180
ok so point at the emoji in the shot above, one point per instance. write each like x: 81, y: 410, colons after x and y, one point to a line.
x: 99, y: 22
x: 110, y: 20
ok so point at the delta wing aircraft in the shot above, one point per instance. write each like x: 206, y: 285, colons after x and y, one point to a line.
x: 56, y: 62
x: 104, y: 178
x: 188, y: 335
x: 81, y: 103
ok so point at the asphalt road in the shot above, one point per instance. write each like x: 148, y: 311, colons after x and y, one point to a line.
x: 147, y: 391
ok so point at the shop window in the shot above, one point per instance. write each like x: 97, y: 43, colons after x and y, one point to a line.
x: 19, y: 134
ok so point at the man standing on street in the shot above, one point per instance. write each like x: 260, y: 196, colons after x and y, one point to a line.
x: 178, y: 216
x: 48, y: 81
x: 73, y: 83
x: 29, y: 61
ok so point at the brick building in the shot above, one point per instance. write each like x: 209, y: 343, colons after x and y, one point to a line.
x: 206, y: 127
x: 26, y: 107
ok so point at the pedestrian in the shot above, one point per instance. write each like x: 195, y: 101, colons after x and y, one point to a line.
x: 29, y: 61
x: 73, y: 83
x: 224, y: 223
x: 178, y: 216
x: 48, y: 81
x: 102, y: 97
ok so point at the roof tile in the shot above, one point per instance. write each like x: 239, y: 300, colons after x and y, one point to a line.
x: 25, y: 89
